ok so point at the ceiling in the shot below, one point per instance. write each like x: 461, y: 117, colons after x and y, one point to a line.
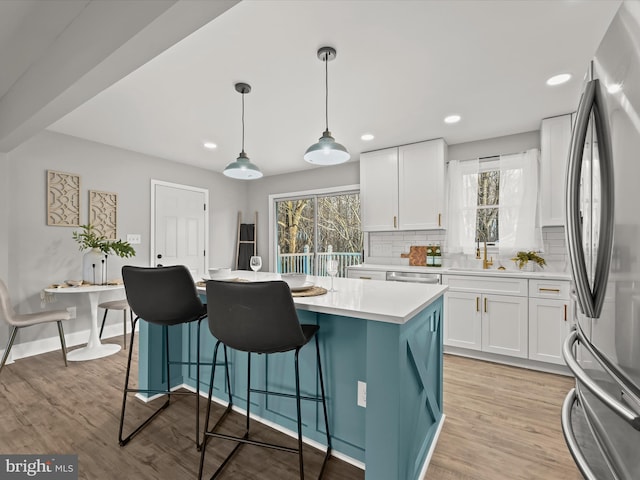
x: 401, y: 67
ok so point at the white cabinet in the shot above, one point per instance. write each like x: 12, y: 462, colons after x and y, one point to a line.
x: 504, y: 325
x: 463, y: 320
x: 555, y: 138
x: 421, y: 185
x: 403, y: 188
x: 379, y: 190
x: 366, y: 274
x: 479, y: 317
x: 550, y: 314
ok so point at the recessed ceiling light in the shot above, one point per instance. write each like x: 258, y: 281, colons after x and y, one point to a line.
x: 209, y: 145
x: 367, y: 136
x: 452, y: 119
x: 559, y: 79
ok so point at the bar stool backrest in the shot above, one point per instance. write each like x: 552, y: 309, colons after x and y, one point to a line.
x: 162, y: 295
x: 254, y: 317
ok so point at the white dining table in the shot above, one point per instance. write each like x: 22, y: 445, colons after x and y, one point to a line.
x: 94, y: 348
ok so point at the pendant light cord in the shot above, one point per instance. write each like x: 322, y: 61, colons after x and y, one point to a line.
x: 243, y: 122
x: 326, y: 90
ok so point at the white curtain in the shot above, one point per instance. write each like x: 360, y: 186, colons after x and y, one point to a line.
x: 519, y: 227
x: 463, y: 201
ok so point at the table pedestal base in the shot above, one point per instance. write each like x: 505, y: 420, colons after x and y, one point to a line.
x: 90, y: 353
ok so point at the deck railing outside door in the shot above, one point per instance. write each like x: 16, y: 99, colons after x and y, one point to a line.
x: 306, y: 262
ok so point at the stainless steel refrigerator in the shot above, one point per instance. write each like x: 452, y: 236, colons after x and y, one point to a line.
x: 601, y: 415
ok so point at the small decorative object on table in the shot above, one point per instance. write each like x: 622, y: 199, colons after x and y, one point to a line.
x: 522, y: 259
x: 94, y: 262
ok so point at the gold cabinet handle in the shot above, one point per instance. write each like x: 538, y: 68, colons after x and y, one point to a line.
x: 485, y: 304
x: 565, y: 312
x: 365, y: 278
x: 395, y: 222
x: 554, y: 290
x: 477, y: 304
x: 439, y: 219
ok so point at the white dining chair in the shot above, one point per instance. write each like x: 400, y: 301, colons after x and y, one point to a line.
x: 26, y: 320
x: 117, y: 305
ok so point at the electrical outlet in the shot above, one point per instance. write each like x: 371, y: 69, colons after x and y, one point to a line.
x: 134, y: 238
x: 72, y: 311
x: 362, y: 394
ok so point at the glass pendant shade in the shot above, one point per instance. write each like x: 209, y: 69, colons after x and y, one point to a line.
x: 242, y: 169
x: 327, y: 151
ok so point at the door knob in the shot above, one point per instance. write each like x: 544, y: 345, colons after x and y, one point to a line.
x: 159, y: 255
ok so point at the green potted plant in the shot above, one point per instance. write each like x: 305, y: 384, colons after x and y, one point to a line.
x: 94, y: 262
x: 522, y: 259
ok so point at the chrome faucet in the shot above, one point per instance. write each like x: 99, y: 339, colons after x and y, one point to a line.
x: 486, y: 263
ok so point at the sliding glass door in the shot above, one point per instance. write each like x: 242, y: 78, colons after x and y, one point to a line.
x: 312, y: 229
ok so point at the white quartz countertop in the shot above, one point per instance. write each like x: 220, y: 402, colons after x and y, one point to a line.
x: 377, y: 300
x: 541, y: 275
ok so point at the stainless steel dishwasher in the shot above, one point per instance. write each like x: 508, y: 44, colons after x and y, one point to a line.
x: 414, y: 277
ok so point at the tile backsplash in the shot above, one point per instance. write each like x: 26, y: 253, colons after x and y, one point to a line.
x: 385, y: 248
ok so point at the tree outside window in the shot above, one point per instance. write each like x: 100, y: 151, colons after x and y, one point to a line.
x: 487, y: 220
x: 312, y: 229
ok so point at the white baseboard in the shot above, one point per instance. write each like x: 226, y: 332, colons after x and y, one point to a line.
x: 511, y: 361
x: 432, y: 448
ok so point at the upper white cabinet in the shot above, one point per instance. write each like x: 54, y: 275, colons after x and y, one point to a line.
x: 555, y: 139
x: 421, y: 177
x: 403, y: 188
x: 379, y: 190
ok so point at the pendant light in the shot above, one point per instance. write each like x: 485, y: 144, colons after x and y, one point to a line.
x: 327, y: 151
x: 242, y: 168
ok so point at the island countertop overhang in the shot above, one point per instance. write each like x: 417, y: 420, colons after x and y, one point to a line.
x: 377, y: 300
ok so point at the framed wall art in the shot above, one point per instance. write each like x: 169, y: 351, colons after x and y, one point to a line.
x: 103, y: 213
x: 63, y: 199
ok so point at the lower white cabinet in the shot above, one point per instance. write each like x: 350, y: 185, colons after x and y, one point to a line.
x: 487, y: 322
x: 549, y: 323
x: 550, y: 314
x: 463, y: 320
x: 504, y: 325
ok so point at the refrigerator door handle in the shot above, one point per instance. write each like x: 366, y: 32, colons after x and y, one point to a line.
x: 618, y: 407
x: 573, y: 230
x: 607, y: 201
x: 590, y: 299
x: 570, y: 438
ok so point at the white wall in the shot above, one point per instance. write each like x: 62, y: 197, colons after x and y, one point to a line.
x: 495, y: 146
x: 40, y: 255
x: 322, y: 177
x: 4, y: 235
x: 4, y: 215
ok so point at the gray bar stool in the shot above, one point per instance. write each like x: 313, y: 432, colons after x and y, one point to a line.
x: 163, y: 296
x: 259, y: 317
x: 117, y: 305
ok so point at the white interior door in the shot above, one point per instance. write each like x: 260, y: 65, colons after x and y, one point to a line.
x: 180, y: 226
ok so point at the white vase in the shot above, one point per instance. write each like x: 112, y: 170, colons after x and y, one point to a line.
x: 94, y: 264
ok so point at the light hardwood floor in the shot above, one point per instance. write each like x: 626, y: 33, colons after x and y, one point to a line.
x: 502, y: 423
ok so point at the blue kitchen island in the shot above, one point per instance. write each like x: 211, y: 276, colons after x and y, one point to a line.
x: 386, y: 335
